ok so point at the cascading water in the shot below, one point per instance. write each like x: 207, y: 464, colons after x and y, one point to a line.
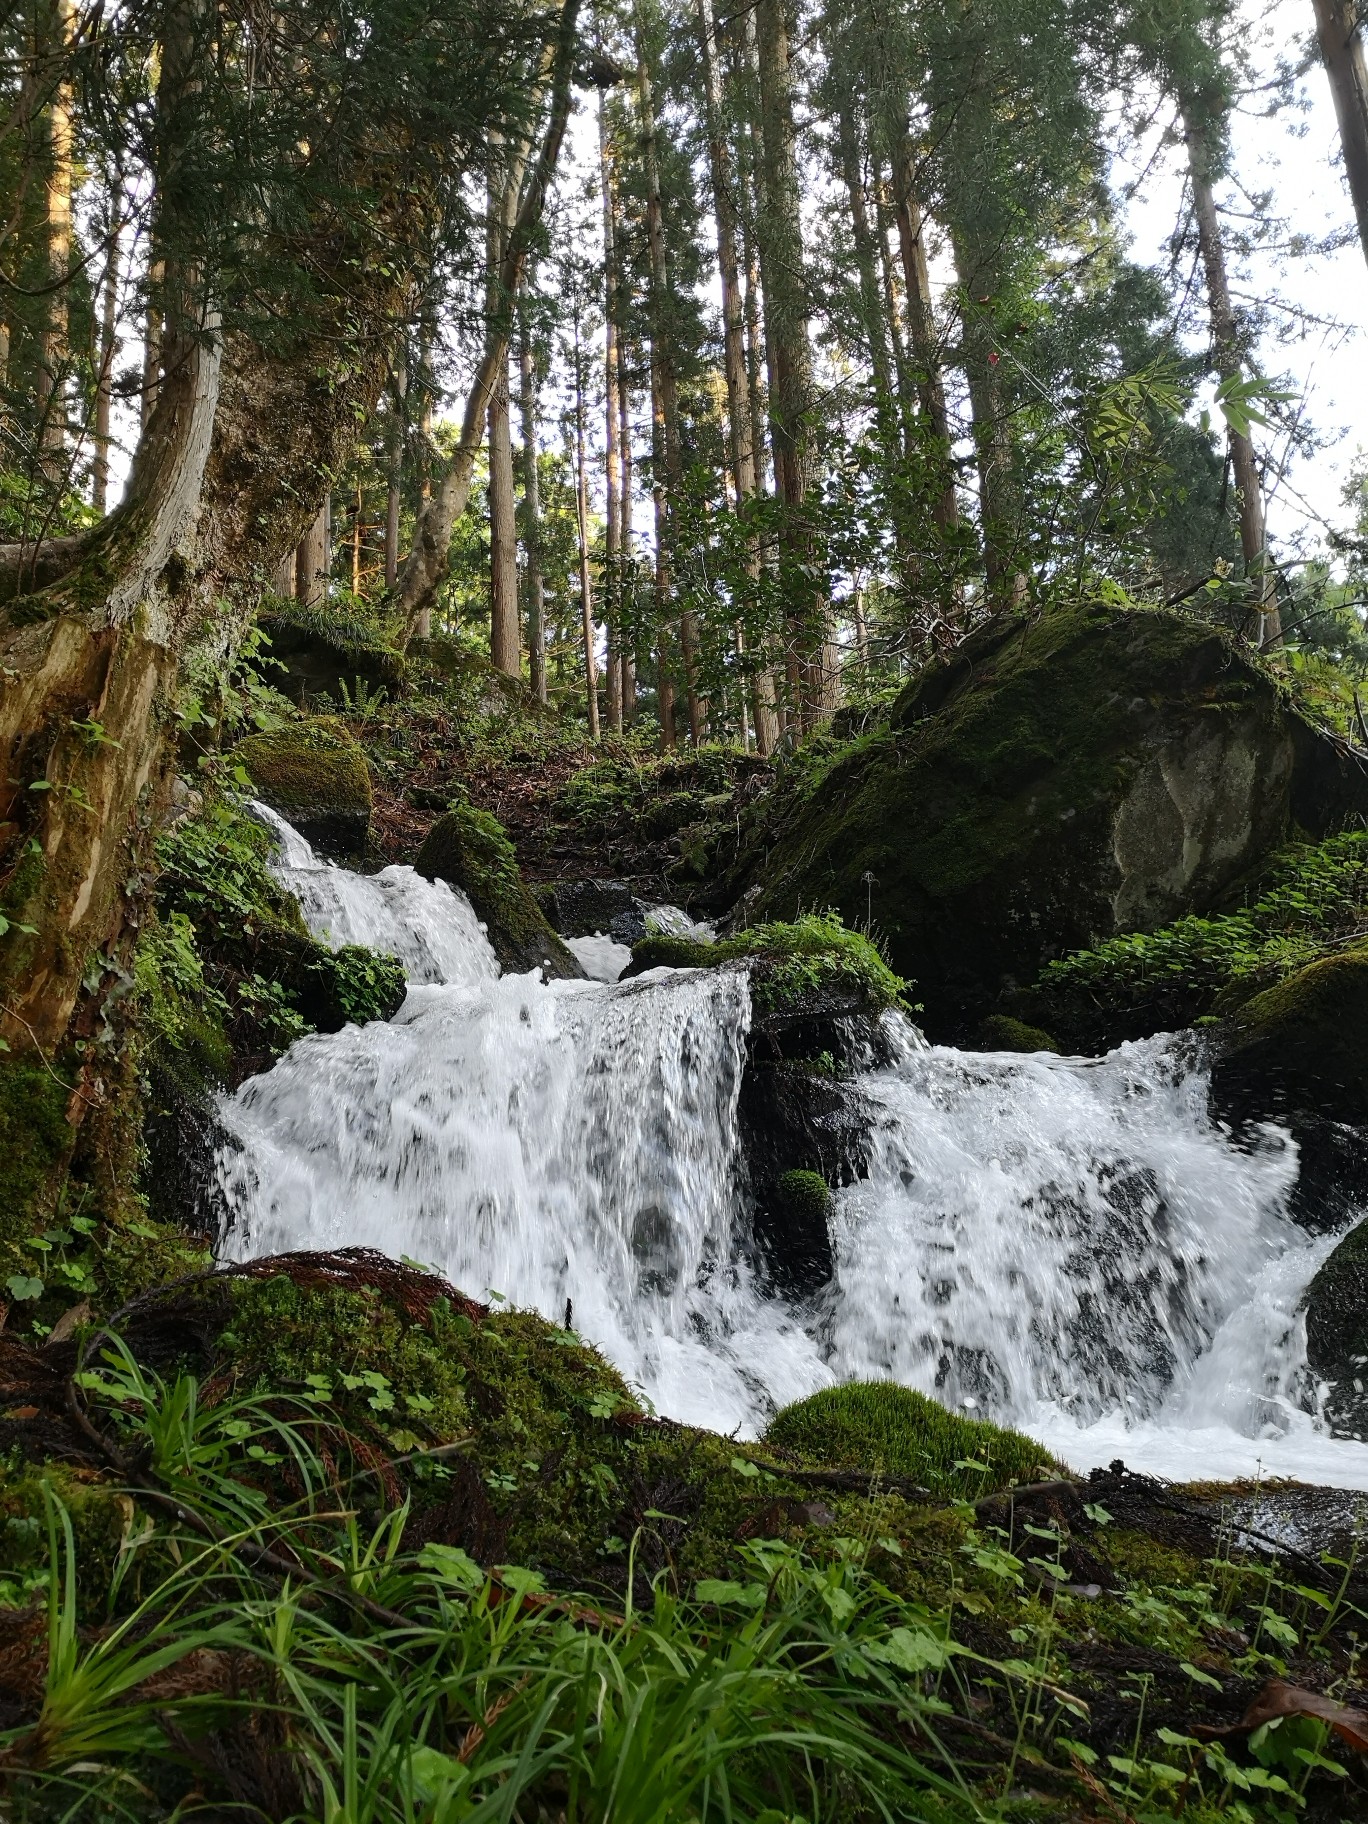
x: 1068, y: 1245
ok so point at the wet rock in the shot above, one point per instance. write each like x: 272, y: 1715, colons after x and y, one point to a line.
x: 999, y: 1032
x: 1056, y: 780
x: 1295, y: 1054
x: 586, y: 908
x: 469, y: 849
x: 1336, y: 1306
x: 317, y: 778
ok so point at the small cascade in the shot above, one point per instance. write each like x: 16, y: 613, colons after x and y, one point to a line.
x: 431, y: 929
x: 1069, y: 1245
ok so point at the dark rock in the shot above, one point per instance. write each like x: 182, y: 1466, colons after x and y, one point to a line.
x: 1052, y: 782
x: 317, y: 778
x: 584, y: 908
x: 1336, y: 1306
x: 469, y: 849
x: 1295, y: 1054
x: 327, y: 652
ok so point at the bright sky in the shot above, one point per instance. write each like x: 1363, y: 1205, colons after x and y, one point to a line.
x: 1293, y: 155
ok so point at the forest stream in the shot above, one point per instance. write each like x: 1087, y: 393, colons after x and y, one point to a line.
x: 1068, y: 1245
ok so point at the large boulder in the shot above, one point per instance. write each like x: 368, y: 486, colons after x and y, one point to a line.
x: 317, y: 778
x: 1054, y: 781
x: 588, y: 908
x: 469, y: 849
x: 1296, y: 1054
x: 326, y: 649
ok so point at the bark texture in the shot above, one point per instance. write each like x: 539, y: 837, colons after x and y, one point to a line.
x: 1339, y: 28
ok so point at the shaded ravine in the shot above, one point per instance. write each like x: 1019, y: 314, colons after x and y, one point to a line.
x: 1069, y: 1245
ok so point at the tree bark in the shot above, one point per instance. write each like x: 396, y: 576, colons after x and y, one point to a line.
x: 313, y: 559
x: 532, y: 569
x: 813, y: 673
x: 921, y: 323
x: 53, y: 353
x: 740, y: 424
x: 665, y: 401
x: 505, y: 638
x: 582, y: 523
x: 394, y: 472
x: 1340, y: 28
x: 109, y: 354
x: 612, y: 312
x: 429, y: 557
x: 1265, y: 623
x: 625, y: 551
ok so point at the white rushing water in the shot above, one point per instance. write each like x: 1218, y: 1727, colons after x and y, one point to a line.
x: 1069, y: 1245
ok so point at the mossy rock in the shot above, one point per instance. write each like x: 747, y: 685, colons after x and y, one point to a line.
x: 317, y: 778
x: 1057, y: 779
x: 793, y: 1230
x: 1336, y: 1306
x: 879, y: 1426
x: 469, y: 849
x: 328, y: 649
x: 999, y: 1032
x: 815, y: 966
x: 1296, y: 1054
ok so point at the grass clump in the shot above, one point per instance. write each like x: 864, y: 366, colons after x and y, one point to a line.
x: 880, y: 1425
x: 813, y: 954
x: 1314, y: 899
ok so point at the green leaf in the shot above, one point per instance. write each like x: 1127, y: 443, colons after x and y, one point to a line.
x: 22, y: 1288
x: 1198, y: 1677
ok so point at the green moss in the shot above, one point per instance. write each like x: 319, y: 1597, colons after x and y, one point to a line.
x: 469, y: 849
x: 814, y: 953
x: 803, y: 1197
x: 315, y: 776
x: 35, y: 1142
x: 182, y: 1016
x: 999, y: 1032
x: 974, y: 830
x: 878, y: 1425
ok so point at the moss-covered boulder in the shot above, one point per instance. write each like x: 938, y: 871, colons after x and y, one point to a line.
x: 469, y: 849
x: 316, y: 776
x: 880, y: 1426
x: 1055, y: 780
x: 1296, y: 1054
x: 36, y: 1141
x: 331, y: 650
x: 1336, y: 1306
x: 1000, y: 1032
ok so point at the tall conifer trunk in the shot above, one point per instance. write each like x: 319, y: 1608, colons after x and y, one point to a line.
x: 104, y: 387
x: 1340, y: 28
x: 505, y: 639
x: 582, y: 526
x: 612, y: 310
x: 1265, y: 623
x: 665, y: 400
x: 532, y: 568
x: 740, y: 425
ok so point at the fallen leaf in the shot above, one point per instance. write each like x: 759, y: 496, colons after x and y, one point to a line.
x: 1278, y: 1699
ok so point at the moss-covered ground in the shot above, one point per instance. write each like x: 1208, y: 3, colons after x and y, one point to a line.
x: 813, y: 955
x: 465, y: 1489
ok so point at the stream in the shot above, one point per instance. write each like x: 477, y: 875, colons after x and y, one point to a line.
x: 1067, y: 1245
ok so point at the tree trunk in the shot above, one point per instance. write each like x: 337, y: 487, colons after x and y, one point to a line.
x: 1339, y: 27
x: 505, y: 638
x: 665, y: 391
x: 582, y: 523
x: 53, y: 353
x: 532, y: 569
x: 1265, y: 623
x: 429, y: 557
x: 313, y: 559
x: 626, y: 554
x: 875, y: 324
x: 356, y: 543
x: 921, y: 323
x: 740, y: 423
x: 813, y: 674
x: 109, y: 354
x: 612, y: 312
x: 152, y: 343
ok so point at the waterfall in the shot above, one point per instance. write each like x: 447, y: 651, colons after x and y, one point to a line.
x: 1068, y: 1245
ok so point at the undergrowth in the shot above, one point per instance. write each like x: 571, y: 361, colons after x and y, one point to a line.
x: 1314, y: 899
x: 201, y: 1645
